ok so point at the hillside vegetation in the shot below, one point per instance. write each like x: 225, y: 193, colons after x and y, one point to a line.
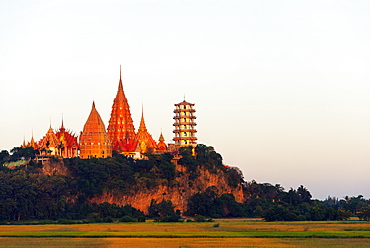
x: 122, y: 188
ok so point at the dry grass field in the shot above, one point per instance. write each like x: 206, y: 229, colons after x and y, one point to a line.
x: 229, y: 233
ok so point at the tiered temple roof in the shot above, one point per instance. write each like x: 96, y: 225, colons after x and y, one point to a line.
x: 69, y: 143
x: 49, y: 142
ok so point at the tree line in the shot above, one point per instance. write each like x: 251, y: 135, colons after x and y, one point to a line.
x: 25, y: 194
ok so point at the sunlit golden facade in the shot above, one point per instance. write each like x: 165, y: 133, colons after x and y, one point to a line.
x: 121, y: 129
x: 144, y: 140
x: 94, y: 140
x: 68, y: 143
x: 185, y: 124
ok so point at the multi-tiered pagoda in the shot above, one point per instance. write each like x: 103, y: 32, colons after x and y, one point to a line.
x: 185, y: 124
x: 121, y: 129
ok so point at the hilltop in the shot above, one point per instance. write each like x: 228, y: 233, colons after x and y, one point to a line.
x: 195, y: 183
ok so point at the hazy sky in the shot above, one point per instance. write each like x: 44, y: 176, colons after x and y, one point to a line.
x: 281, y: 88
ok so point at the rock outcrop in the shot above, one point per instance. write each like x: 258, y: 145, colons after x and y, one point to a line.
x: 178, y: 194
x: 54, y: 166
x: 178, y: 191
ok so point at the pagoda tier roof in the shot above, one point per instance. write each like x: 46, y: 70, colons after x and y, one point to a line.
x: 185, y: 103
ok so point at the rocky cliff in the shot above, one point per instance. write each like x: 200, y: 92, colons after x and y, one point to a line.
x: 178, y: 191
x: 178, y: 194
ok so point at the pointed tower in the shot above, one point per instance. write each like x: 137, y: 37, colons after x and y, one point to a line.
x: 32, y: 143
x: 185, y: 124
x: 161, y: 146
x: 24, y: 143
x: 144, y: 139
x: 94, y: 140
x: 121, y: 129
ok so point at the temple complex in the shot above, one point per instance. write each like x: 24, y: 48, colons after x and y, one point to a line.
x: 98, y: 142
x: 62, y: 143
x: 94, y: 140
x: 121, y: 129
x: 185, y: 124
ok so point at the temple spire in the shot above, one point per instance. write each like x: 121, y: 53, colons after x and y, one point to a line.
x: 142, y: 122
x: 121, y: 129
x: 62, y: 129
x: 120, y: 87
x: 161, y: 137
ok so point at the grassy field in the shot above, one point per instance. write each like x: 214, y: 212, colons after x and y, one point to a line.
x: 228, y: 233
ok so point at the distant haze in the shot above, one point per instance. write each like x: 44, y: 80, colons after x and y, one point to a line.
x: 281, y: 88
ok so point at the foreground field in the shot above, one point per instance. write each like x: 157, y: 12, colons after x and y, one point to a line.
x: 222, y: 233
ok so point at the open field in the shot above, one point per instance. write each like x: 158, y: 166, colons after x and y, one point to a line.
x: 229, y: 233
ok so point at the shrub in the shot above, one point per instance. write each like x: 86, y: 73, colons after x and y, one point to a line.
x: 127, y: 218
x: 200, y: 218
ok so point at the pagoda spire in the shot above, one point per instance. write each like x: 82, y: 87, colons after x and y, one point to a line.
x: 121, y: 129
x: 120, y: 87
x: 62, y: 127
x: 161, y: 137
x: 24, y: 141
x: 142, y: 126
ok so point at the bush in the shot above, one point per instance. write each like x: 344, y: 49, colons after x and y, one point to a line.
x: 141, y: 219
x: 127, y: 218
x: 200, y: 218
x: 170, y: 218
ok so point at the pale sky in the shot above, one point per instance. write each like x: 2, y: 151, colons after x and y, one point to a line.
x: 281, y: 88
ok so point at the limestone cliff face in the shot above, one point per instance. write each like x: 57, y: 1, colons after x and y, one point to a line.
x: 178, y: 194
x: 54, y: 167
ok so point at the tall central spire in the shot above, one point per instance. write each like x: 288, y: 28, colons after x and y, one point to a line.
x: 120, y: 87
x: 121, y: 128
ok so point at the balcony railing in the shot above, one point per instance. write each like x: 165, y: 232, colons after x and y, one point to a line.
x: 185, y: 130
x: 185, y: 123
